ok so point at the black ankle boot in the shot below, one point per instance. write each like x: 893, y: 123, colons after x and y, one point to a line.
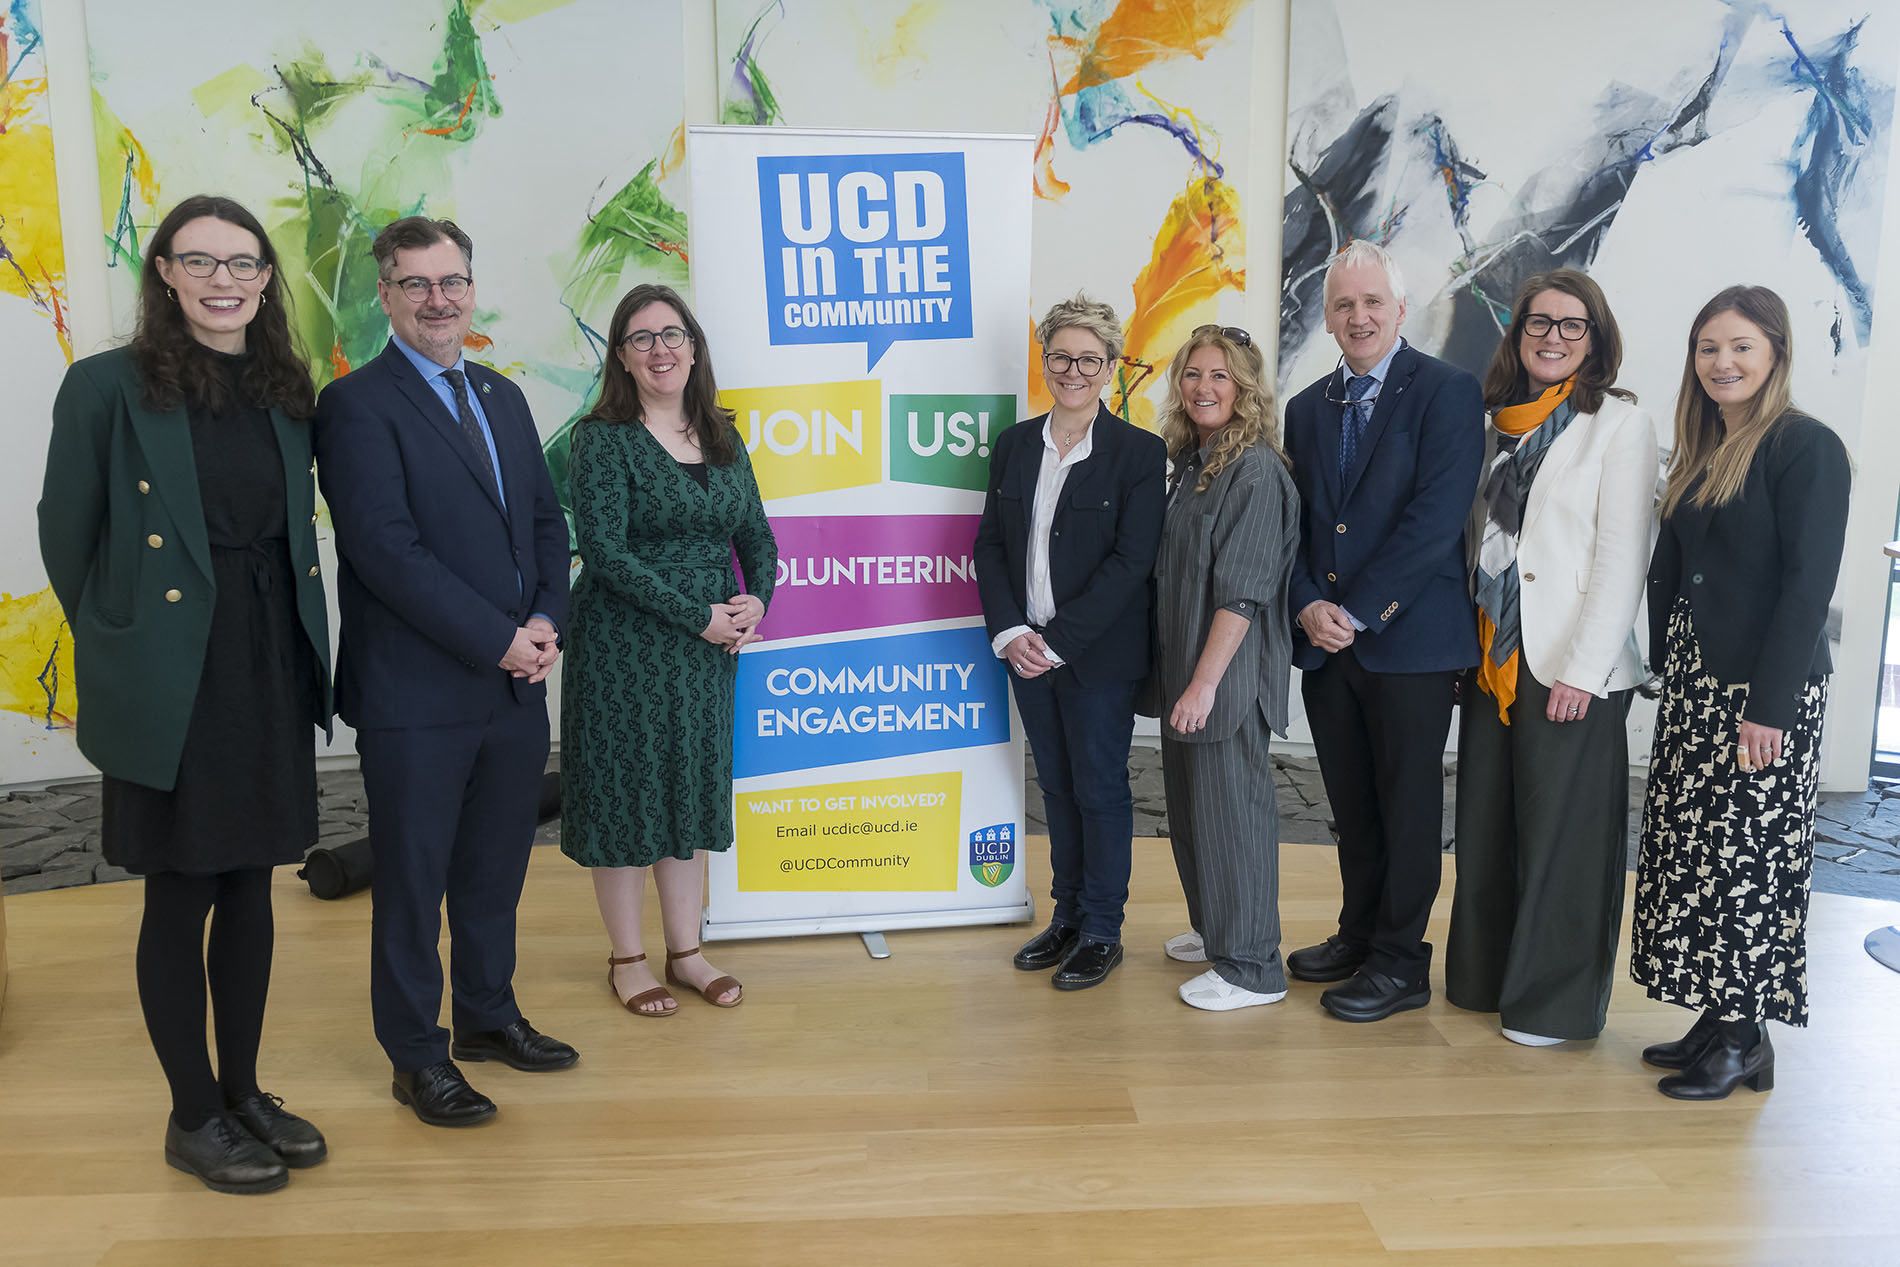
x: 1739, y: 1052
x: 1685, y: 1050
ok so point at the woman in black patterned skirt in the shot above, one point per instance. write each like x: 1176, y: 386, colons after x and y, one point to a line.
x: 1753, y: 520
x: 178, y: 529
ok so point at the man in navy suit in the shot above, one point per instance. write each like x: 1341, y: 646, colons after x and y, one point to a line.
x: 1386, y: 452
x: 453, y: 590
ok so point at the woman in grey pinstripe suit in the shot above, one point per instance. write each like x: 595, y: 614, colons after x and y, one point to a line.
x: 1223, y: 656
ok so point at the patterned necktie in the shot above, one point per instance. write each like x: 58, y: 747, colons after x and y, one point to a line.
x: 471, y: 429
x: 1352, y: 428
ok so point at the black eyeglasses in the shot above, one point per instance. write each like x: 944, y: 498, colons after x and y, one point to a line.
x: 642, y: 340
x: 453, y: 287
x: 1569, y: 329
x: 243, y: 268
x: 1235, y: 333
x: 1060, y: 363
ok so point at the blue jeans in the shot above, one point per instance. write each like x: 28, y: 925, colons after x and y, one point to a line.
x: 1080, y: 736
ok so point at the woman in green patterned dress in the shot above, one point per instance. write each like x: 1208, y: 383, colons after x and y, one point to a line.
x: 663, y: 497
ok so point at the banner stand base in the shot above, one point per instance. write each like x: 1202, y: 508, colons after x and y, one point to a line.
x: 739, y: 930
x: 875, y: 945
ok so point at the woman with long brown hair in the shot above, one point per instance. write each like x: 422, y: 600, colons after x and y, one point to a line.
x: 1560, y: 540
x: 178, y: 528
x: 663, y: 496
x: 1753, y: 519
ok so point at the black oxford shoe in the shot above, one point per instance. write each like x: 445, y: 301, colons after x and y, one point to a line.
x: 1331, y: 960
x: 224, y: 1157
x: 289, y: 1136
x: 441, y: 1096
x: 1047, y: 948
x: 1089, y: 963
x: 1373, y: 996
x: 519, y: 1046
x: 1685, y: 1050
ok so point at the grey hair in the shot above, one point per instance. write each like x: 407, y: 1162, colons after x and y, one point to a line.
x: 1360, y: 251
x: 1083, y: 313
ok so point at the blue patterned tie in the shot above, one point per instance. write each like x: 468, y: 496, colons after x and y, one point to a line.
x: 1352, y: 423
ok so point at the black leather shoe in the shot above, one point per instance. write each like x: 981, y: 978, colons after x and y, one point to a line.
x: 1738, y: 1054
x: 298, y: 1143
x: 441, y: 1096
x: 1331, y: 960
x: 1685, y: 1051
x: 519, y: 1046
x: 1047, y: 948
x: 224, y: 1157
x: 1089, y: 963
x: 1373, y: 996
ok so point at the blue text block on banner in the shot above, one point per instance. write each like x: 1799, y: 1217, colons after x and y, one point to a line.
x: 837, y: 702
x: 865, y: 248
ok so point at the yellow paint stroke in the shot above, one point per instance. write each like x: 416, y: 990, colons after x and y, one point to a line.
x: 127, y: 185
x: 36, y: 659
x: 1040, y: 401
x: 905, y: 46
x: 231, y: 90
x: 35, y: 264
x: 1140, y: 33
x: 1200, y: 250
x: 499, y: 12
x: 675, y: 152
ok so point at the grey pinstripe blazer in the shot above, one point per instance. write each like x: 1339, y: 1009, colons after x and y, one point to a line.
x: 1232, y: 543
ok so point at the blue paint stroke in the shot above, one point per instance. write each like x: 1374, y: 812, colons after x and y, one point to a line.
x: 1826, y: 156
x: 27, y: 36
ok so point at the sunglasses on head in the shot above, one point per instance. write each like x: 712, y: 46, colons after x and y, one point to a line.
x: 1235, y: 333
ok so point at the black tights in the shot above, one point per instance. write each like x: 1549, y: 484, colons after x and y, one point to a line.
x: 174, y: 962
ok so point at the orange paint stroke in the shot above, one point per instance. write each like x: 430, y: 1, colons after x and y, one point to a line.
x: 339, y: 363
x: 1199, y: 251
x: 1040, y: 401
x: 675, y: 152
x: 1048, y: 184
x: 477, y: 342
x: 671, y: 248
x: 468, y: 104
x: 1140, y: 33
x: 59, y: 313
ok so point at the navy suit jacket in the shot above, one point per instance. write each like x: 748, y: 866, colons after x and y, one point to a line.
x: 435, y: 576
x: 1388, y: 546
x: 1105, y: 534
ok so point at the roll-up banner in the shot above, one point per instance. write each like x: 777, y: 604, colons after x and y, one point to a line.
x: 865, y: 296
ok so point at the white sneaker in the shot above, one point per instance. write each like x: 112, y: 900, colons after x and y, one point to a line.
x: 1211, y: 993
x: 1531, y: 1040
x: 1188, y: 947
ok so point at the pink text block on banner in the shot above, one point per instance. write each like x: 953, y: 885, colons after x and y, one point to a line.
x: 843, y: 572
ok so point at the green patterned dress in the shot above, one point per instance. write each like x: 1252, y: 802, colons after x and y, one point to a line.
x: 646, y: 703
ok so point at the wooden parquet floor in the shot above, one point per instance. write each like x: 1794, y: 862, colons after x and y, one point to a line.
x: 938, y: 1107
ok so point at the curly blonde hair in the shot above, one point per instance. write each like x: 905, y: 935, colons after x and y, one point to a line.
x: 1256, y: 418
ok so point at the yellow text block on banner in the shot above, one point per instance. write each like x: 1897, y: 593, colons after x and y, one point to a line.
x: 811, y: 437
x: 867, y: 836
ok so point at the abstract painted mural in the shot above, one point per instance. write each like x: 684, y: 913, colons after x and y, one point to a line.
x: 36, y: 696
x: 543, y: 127
x: 1734, y: 141
x: 1141, y: 108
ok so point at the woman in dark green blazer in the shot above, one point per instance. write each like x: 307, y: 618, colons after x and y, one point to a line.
x: 178, y: 527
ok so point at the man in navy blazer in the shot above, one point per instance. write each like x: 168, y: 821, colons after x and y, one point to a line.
x: 453, y: 591
x: 1386, y: 452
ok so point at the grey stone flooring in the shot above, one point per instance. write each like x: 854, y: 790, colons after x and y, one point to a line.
x: 50, y: 839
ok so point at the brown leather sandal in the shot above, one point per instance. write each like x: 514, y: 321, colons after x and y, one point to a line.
x: 714, y: 988
x: 657, y: 994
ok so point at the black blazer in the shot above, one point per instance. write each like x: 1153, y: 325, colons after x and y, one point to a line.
x: 1389, y: 546
x: 1102, y: 545
x: 1759, y: 572
x: 435, y: 577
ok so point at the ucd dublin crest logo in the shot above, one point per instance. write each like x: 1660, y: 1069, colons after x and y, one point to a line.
x: 993, y: 853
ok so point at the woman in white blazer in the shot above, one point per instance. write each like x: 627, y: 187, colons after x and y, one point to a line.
x: 1561, y: 536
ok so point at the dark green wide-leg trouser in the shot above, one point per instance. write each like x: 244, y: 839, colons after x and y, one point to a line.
x: 1541, y: 823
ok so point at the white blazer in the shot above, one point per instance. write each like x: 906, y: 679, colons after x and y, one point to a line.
x: 1583, y: 554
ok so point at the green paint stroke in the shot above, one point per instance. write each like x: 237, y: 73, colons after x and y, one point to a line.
x: 749, y: 100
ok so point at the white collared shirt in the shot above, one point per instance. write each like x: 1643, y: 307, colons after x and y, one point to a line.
x: 1054, y: 474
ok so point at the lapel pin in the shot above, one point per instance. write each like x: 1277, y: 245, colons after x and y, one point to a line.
x: 485, y: 389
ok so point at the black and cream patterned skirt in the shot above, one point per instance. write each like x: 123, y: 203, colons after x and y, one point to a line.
x: 1722, y: 877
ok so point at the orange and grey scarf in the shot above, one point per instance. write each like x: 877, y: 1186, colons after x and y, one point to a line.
x: 1525, y: 433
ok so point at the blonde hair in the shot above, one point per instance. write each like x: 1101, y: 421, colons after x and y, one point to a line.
x: 1256, y: 418
x: 1083, y: 313
x: 1716, y: 453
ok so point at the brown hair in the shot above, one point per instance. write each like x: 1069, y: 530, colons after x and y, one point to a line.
x: 1709, y: 449
x: 415, y: 233
x: 172, y: 370
x: 1256, y: 417
x: 1507, y: 382
x: 619, y: 399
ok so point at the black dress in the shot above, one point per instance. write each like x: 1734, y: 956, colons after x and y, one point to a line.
x: 246, y: 794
